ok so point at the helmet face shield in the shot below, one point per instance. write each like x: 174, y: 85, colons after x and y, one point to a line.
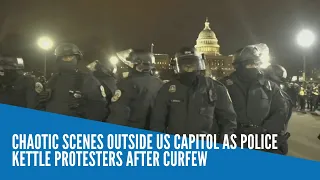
x: 138, y: 59
x: 67, y: 49
x: 123, y: 56
x: 189, y: 64
x: 68, y: 58
x: 92, y: 66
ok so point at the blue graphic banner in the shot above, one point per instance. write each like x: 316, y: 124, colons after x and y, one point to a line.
x: 39, y: 145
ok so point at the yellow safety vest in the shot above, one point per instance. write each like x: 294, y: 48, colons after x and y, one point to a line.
x: 301, y: 93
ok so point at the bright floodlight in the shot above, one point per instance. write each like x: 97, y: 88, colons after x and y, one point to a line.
x: 45, y: 43
x: 305, y: 38
x: 114, y: 60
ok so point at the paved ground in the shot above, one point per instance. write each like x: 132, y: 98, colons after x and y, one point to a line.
x: 304, y: 129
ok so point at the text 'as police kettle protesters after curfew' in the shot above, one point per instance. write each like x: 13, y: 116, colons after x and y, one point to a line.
x: 258, y: 102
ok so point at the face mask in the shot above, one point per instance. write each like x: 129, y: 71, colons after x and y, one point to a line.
x: 249, y: 73
x: 187, y: 78
x: 65, y: 66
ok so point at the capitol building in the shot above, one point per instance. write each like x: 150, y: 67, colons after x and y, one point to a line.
x: 217, y: 65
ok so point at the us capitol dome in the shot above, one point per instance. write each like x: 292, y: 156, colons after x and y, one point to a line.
x: 217, y: 65
x: 207, y: 41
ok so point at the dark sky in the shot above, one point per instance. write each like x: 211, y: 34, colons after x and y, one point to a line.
x: 112, y: 25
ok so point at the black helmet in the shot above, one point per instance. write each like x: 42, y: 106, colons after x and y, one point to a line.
x: 104, y: 67
x: 11, y: 63
x: 141, y: 60
x: 276, y: 73
x: 252, y: 54
x: 68, y: 49
x: 188, y: 60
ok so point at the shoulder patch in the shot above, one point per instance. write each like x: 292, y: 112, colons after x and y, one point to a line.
x: 172, y: 88
x: 116, y: 96
x: 103, y: 92
x: 229, y: 82
x: 38, y: 87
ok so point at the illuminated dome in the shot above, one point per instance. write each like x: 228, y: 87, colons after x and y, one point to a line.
x: 207, y: 41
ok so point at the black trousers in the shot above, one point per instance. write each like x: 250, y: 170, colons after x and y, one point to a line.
x: 302, y: 102
x: 314, y: 106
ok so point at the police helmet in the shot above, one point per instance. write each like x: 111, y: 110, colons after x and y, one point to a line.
x: 103, y: 67
x: 11, y: 63
x: 140, y: 60
x: 276, y: 73
x: 68, y: 49
x: 252, y: 54
x: 188, y: 60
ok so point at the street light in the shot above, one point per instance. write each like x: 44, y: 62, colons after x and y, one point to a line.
x: 305, y: 39
x: 45, y: 43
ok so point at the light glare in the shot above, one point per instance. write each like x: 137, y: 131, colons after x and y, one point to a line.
x: 305, y: 38
x: 114, y: 60
x: 45, y: 43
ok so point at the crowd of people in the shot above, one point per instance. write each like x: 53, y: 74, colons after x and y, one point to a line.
x: 305, y: 96
x: 249, y: 101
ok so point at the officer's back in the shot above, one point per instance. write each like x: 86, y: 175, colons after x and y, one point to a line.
x: 132, y: 103
x: 16, y: 88
x: 73, y: 92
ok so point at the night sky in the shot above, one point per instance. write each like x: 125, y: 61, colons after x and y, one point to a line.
x: 109, y: 25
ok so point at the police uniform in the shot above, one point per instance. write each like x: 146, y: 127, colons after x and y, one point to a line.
x: 315, y: 96
x: 132, y: 103
x: 63, y: 89
x: 309, y: 96
x: 278, y: 75
x: 133, y: 100
x: 202, y: 109
x: 21, y: 92
x: 259, y: 103
x: 192, y: 103
x: 302, y: 99
x: 15, y: 88
x: 106, y: 77
x: 72, y: 92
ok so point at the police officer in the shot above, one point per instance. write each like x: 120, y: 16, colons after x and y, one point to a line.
x: 302, y: 99
x: 192, y: 103
x: 315, y: 95
x: 309, y: 96
x: 132, y: 103
x: 72, y: 92
x: 105, y: 73
x: 258, y: 102
x: 278, y: 74
x: 16, y: 88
